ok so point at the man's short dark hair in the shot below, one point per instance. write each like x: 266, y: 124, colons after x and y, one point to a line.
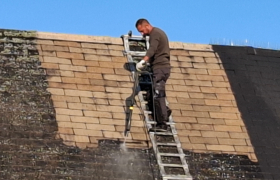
x: 141, y: 21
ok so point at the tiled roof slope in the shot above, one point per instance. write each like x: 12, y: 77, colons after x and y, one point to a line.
x: 29, y: 148
x: 89, y: 87
x: 31, y: 126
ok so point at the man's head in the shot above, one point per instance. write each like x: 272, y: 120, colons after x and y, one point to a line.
x: 143, y: 26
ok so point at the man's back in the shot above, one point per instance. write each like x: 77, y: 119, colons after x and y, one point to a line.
x: 159, y: 51
x: 159, y: 56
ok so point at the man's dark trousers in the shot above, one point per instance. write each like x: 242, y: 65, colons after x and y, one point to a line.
x: 160, y: 77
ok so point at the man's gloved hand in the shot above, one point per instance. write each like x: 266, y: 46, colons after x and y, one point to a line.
x: 141, y: 65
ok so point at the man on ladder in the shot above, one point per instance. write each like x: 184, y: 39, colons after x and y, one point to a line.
x: 158, y: 55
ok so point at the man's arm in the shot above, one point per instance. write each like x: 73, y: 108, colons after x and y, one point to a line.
x: 146, y: 58
x: 154, y: 41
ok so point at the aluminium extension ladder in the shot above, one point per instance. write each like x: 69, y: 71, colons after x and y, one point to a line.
x: 166, y: 145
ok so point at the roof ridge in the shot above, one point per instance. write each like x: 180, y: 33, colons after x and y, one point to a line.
x: 115, y: 40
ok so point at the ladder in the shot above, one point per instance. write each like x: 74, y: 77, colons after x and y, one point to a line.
x: 166, y: 145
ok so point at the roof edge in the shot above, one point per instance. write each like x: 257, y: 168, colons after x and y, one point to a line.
x: 114, y: 40
x: 80, y: 38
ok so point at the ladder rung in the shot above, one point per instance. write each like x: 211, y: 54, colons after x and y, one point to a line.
x: 177, y: 177
x: 151, y: 122
x: 144, y: 102
x: 174, y: 165
x: 171, y: 154
x: 147, y: 112
x: 136, y: 53
x: 162, y: 133
x: 167, y: 144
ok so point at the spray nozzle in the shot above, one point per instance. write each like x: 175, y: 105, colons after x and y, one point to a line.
x: 126, y: 132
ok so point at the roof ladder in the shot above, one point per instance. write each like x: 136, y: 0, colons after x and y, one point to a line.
x: 166, y: 145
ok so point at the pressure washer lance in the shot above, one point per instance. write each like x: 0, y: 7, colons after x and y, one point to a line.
x: 128, y: 119
x: 135, y: 72
x: 132, y: 69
